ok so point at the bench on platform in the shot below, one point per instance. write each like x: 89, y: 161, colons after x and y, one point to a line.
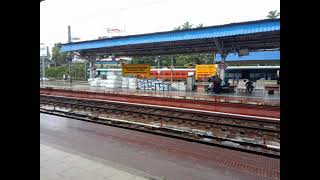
x: 259, y: 86
x: 267, y: 85
x: 241, y: 86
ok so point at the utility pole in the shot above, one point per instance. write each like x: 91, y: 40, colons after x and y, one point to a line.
x: 159, y: 67
x: 85, y: 70
x: 75, y: 71
x: 70, y: 75
x: 43, y: 71
x: 69, y: 56
x: 157, y: 59
x: 43, y: 54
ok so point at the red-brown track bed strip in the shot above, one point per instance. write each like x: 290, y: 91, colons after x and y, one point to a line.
x: 235, y: 108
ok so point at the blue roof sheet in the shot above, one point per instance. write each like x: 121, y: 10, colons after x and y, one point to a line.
x: 263, y: 55
x: 191, y: 34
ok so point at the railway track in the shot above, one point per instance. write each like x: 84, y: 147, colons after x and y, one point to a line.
x: 252, y: 134
x: 212, y: 103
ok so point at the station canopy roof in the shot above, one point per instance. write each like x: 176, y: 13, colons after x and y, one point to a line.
x: 252, y: 35
x: 253, y: 56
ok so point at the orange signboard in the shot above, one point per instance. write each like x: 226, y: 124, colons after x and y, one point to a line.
x: 205, y: 70
x: 136, y: 69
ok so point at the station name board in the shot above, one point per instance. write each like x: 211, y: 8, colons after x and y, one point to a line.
x: 136, y: 69
x: 205, y: 70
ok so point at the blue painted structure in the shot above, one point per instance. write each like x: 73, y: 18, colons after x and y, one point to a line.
x: 234, y: 29
x: 257, y: 56
x: 107, y: 62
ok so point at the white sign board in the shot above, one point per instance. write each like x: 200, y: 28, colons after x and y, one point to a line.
x: 190, y: 74
x: 43, y: 51
x: 223, y: 66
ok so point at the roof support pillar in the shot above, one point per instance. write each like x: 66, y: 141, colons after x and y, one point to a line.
x: 223, y: 54
x: 92, y: 61
x: 223, y: 58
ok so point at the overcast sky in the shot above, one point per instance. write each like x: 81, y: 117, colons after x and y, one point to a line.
x: 90, y: 19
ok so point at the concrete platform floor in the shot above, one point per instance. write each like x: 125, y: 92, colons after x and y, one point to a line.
x: 94, y: 151
x: 56, y: 164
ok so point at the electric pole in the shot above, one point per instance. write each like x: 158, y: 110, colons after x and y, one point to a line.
x: 85, y: 70
x: 43, y: 70
x: 69, y: 56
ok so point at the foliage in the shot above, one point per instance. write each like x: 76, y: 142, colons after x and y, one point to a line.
x: 184, y: 26
x: 77, y: 71
x: 273, y: 14
x: 187, y: 25
x: 58, y: 57
x: 200, y: 25
x: 56, y: 72
x: 177, y: 28
x: 180, y: 60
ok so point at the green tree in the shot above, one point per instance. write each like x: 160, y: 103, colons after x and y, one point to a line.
x: 143, y: 60
x: 58, y: 57
x: 77, y: 71
x: 273, y: 14
x: 177, y: 28
x: 186, y: 25
x: 181, y: 60
x: 194, y: 58
x: 200, y: 25
x: 56, y: 72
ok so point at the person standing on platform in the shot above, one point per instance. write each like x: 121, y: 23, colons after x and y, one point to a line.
x: 211, y: 85
x: 216, y: 84
x: 249, y: 86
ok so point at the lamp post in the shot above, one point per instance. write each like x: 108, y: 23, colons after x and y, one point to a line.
x: 43, y: 54
x: 43, y: 70
x: 158, y: 61
x: 85, y: 70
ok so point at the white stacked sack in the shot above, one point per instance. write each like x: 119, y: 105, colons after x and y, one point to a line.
x: 179, y: 86
x: 112, y: 81
x: 114, y: 73
x: 144, y: 84
x: 94, y: 82
x: 125, y: 83
x: 133, y: 83
x: 147, y: 84
x: 163, y: 87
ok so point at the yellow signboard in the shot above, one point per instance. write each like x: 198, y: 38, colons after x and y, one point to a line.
x: 205, y: 70
x: 136, y: 69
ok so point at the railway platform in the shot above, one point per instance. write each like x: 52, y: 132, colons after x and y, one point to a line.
x: 74, y: 149
x: 253, y: 105
x: 58, y: 163
x: 242, y: 98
